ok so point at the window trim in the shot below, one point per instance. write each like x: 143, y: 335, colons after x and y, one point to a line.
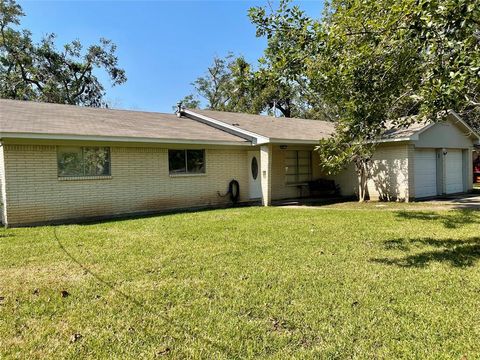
x: 186, y: 173
x: 85, y: 177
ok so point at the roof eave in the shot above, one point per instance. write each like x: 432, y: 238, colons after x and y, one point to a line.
x: 294, y: 141
x: 123, y: 139
x: 399, y: 139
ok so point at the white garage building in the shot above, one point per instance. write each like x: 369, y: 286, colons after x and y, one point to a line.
x: 420, y: 162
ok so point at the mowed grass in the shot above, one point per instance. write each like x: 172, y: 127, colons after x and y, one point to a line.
x: 245, y: 283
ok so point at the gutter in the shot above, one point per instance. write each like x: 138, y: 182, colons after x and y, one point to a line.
x: 36, y: 136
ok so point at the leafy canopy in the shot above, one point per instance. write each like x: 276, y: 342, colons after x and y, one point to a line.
x: 44, y: 73
x: 371, y: 62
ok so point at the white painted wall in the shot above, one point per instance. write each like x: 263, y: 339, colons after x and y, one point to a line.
x: 444, y: 135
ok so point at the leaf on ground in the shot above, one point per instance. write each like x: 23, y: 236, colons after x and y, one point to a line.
x: 163, y: 352
x: 75, y: 337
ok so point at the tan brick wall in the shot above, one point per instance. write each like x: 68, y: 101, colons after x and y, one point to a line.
x: 140, y: 182
x: 3, y: 197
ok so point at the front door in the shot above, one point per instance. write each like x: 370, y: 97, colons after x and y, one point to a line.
x: 254, y: 185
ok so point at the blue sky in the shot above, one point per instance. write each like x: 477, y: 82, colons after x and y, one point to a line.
x: 162, y: 45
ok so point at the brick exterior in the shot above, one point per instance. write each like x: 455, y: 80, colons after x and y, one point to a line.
x: 3, y: 193
x: 140, y: 182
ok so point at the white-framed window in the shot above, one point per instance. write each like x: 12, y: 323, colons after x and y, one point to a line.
x: 186, y: 161
x: 298, y: 166
x: 82, y: 161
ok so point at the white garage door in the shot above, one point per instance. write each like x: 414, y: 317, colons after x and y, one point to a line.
x: 454, y: 171
x: 425, y: 165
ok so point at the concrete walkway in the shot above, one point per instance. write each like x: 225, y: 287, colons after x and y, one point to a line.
x: 453, y: 202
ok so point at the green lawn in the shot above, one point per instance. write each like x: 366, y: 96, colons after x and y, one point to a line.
x: 245, y: 283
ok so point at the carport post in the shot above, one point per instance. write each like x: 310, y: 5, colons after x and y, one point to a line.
x: 266, y: 173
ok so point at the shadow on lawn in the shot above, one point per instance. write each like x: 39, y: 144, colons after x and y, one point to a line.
x: 450, y: 220
x: 458, y: 253
x: 133, y: 300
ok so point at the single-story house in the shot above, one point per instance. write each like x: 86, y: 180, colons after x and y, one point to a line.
x: 61, y: 162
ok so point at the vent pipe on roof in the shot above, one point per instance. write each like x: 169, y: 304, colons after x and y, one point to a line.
x: 180, y: 109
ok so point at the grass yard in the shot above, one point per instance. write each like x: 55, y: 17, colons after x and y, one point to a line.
x: 245, y: 283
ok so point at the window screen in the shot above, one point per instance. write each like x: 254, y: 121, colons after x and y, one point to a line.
x: 83, y: 161
x: 186, y: 161
x: 298, y: 166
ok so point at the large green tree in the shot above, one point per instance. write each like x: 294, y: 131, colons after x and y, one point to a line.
x: 374, y: 64
x: 44, y: 73
x: 233, y: 84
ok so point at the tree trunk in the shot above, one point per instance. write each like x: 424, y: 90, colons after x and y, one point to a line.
x: 362, y: 181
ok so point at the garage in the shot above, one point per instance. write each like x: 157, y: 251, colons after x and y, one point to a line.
x: 422, y: 160
x: 454, y: 171
x: 425, y: 167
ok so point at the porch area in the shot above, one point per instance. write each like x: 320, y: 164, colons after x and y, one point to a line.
x: 279, y: 173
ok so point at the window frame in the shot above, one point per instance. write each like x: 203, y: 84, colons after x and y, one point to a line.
x: 297, y: 167
x: 85, y: 176
x: 187, y: 173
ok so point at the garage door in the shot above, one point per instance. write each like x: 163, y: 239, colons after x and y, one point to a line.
x: 453, y: 171
x: 425, y: 165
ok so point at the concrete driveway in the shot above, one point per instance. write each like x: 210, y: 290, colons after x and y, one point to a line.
x: 462, y: 201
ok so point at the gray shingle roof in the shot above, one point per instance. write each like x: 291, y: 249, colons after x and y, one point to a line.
x: 402, y: 132
x: 27, y: 117
x: 274, y: 128
x: 53, y: 119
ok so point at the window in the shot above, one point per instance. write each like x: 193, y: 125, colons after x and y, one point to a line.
x: 298, y: 166
x: 254, y: 167
x: 83, y: 161
x: 186, y: 161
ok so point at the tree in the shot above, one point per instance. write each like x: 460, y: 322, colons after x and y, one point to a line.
x: 448, y: 34
x: 190, y: 102
x: 215, y: 85
x: 358, y: 64
x: 232, y: 84
x: 374, y: 64
x: 42, y: 72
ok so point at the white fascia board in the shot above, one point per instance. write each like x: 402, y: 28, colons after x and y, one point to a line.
x: 254, y: 138
x: 410, y: 138
x: 294, y: 141
x: 35, y: 136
